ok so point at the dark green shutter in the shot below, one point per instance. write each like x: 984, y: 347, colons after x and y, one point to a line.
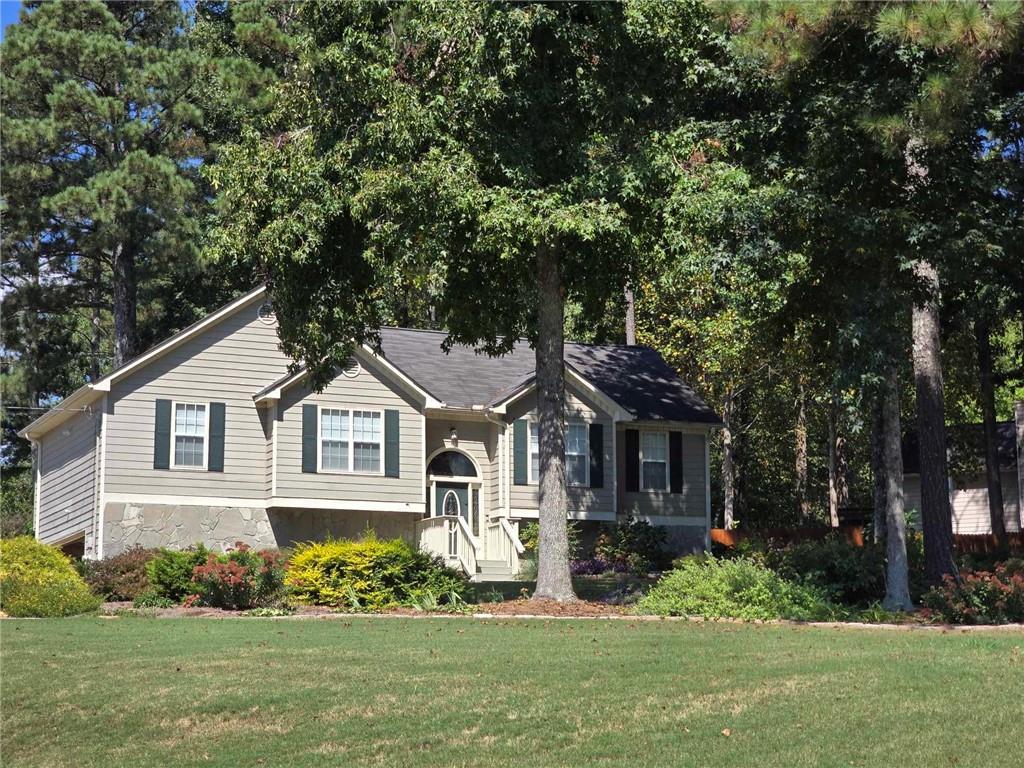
x: 675, y: 462
x: 162, y: 436
x: 632, y: 460
x: 596, y: 456
x: 520, y: 453
x: 215, y: 456
x: 391, y: 444
x: 309, y: 438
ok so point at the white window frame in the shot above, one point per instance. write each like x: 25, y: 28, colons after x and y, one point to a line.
x: 530, y: 424
x: 206, y: 435
x: 664, y: 435
x: 351, y: 443
x: 586, y: 453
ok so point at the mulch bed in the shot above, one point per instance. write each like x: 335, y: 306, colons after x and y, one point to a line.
x: 540, y: 607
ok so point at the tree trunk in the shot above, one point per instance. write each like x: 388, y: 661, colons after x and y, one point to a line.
x: 878, y: 469
x: 936, y: 514
x: 728, y: 464
x: 31, y: 320
x: 982, y: 332
x: 836, y: 460
x: 125, y: 294
x: 803, y: 504
x: 553, y: 578
x: 897, y: 575
x: 94, y: 330
x: 630, y: 317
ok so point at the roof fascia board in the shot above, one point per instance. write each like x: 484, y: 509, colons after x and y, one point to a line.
x: 61, y: 412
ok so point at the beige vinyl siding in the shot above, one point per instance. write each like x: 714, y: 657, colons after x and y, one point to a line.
x: 228, y: 363
x: 693, y: 499
x: 370, y: 389
x: 67, y: 486
x: 477, y: 439
x: 969, y: 502
x: 581, y: 500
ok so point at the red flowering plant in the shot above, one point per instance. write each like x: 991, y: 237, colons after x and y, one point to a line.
x: 240, y: 578
x: 979, y: 597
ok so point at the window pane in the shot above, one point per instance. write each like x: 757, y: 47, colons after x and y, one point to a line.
x: 190, y: 419
x: 653, y: 446
x: 366, y: 457
x: 654, y: 475
x: 188, y: 451
x: 576, y: 470
x: 366, y: 427
x: 334, y: 454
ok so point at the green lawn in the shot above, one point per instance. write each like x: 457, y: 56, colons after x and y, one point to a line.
x: 458, y: 692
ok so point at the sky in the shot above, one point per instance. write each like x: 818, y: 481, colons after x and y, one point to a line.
x: 8, y: 14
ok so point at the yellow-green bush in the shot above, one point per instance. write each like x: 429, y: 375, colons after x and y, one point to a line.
x: 369, y: 574
x: 38, y: 580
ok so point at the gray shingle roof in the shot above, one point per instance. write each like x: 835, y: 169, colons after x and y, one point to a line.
x: 635, y: 377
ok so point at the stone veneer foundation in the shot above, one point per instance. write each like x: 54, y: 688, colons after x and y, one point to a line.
x: 219, y: 528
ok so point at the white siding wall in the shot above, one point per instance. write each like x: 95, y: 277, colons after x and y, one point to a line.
x: 581, y: 500
x: 369, y: 389
x: 228, y: 363
x: 970, y: 503
x: 67, y: 488
x: 691, y: 503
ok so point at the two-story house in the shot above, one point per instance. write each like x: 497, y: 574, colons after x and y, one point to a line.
x: 208, y: 438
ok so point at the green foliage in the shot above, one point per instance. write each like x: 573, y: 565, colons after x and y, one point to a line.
x: 17, y: 502
x: 118, y: 577
x: 737, y: 588
x: 150, y: 599
x: 170, y: 571
x: 39, y: 580
x: 240, y: 579
x: 980, y: 597
x: 634, y: 544
x: 370, y: 574
x: 845, y: 573
x: 529, y: 535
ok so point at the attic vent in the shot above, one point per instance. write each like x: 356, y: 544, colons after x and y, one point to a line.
x: 351, y: 368
x: 266, y: 313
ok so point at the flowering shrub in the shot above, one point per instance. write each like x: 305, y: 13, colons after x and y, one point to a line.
x: 980, y: 597
x: 632, y: 545
x: 170, y: 571
x: 737, y: 588
x: 240, y: 579
x: 119, y: 577
x: 39, y: 580
x: 370, y: 574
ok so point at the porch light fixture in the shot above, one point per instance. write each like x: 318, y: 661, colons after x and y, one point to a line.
x: 454, y: 435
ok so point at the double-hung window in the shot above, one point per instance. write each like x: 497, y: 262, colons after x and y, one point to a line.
x: 351, y: 441
x: 189, y: 435
x: 654, y: 461
x: 577, y: 453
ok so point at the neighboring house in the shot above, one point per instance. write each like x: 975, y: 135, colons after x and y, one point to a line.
x: 968, y: 491
x: 208, y: 438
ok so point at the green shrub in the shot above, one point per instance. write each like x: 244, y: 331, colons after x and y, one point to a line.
x: 170, y: 571
x: 737, y: 588
x: 118, y: 577
x: 980, y: 597
x: 39, y: 580
x: 370, y: 574
x: 529, y: 535
x: 240, y: 579
x: 848, y: 574
x: 633, y: 544
x: 150, y: 599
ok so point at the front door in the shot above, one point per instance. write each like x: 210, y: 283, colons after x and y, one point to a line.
x: 457, y: 503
